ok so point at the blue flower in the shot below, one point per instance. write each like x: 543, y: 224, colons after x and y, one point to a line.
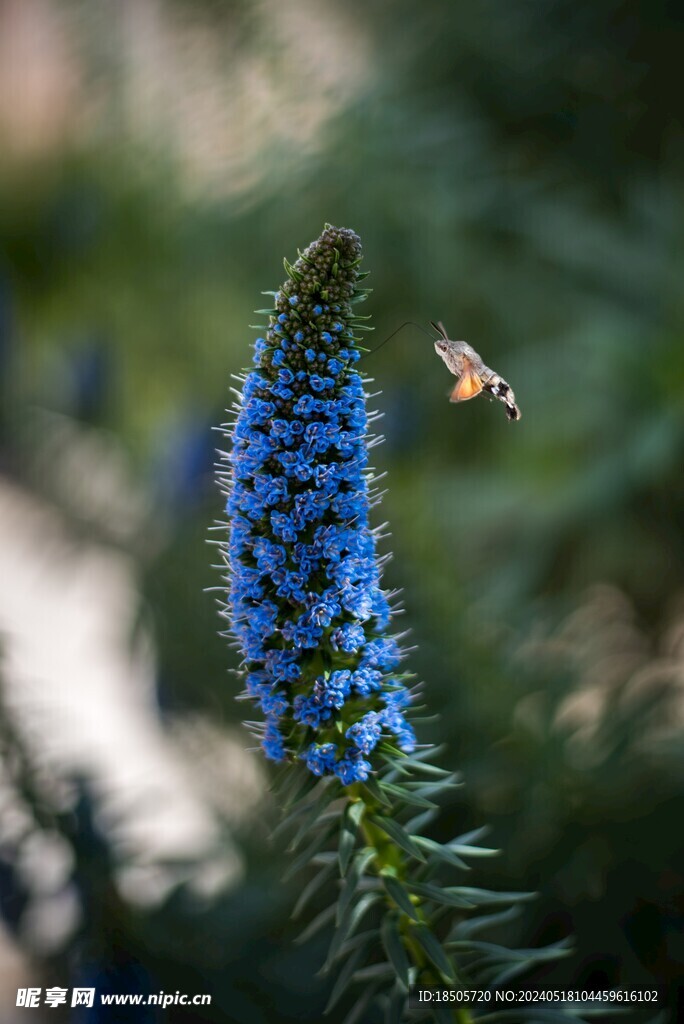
x: 347, y: 637
x: 305, y: 601
x: 320, y: 758
x: 352, y: 768
x: 365, y: 733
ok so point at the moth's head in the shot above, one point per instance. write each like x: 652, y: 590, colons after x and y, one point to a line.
x: 441, y: 347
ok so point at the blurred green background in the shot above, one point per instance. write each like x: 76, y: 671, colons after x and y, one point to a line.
x: 513, y: 169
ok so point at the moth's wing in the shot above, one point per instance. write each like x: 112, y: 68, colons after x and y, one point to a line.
x: 467, y: 386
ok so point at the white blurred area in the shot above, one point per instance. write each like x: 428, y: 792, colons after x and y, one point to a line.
x: 223, y: 91
x: 78, y: 678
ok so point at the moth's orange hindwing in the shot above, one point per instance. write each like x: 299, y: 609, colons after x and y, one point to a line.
x: 467, y: 386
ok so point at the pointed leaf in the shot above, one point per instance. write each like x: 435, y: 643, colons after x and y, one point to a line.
x: 399, y: 895
x: 406, y: 796
x: 485, y: 898
x: 359, y: 864
x: 473, y: 926
x: 373, y: 971
x: 313, y: 816
x: 344, y: 978
x: 441, y: 852
x: 348, y: 926
x: 394, y: 830
x: 394, y: 947
x: 444, y: 897
x: 313, y: 928
x: 435, y: 952
x: 352, y: 816
x: 307, y: 855
x: 312, y: 888
x: 371, y: 785
x: 416, y: 825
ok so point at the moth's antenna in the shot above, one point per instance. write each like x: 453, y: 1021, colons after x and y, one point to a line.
x: 406, y: 323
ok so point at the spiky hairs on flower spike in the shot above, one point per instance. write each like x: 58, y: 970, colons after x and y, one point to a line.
x: 308, y: 614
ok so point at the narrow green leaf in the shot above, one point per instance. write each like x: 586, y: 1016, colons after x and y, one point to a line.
x: 435, y: 952
x: 359, y: 864
x: 314, y: 817
x: 395, y: 831
x: 348, y: 926
x: 371, y: 785
x: 344, y: 978
x: 373, y: 971
x: 326, y: 857
x: 350, y: 821
x: 312, y: 888
x: 307, y: 855
x: 295, y: 788
x: 314, y: 927
x: 416, y: 824
x: 396, y: 766
x: 485, y: 898
x: 370, y: 936
x: 418, y: 762
x: 450, y: 781
x: 467, y: 928
x: 406, y: 796
x: 441, y: 852
x: 356, y: 811
x: 472, y: 837
x: 394, y: 947
x: 288, y: 821
x: 444, y: 897
x: 399, y: 895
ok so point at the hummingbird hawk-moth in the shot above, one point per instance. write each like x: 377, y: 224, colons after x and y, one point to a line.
x: 473, y: 376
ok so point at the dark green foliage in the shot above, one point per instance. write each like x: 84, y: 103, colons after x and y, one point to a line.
x: 393, y: 900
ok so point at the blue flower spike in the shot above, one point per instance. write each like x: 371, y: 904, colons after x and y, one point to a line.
x: 307, y: 611
x: 305, y: 589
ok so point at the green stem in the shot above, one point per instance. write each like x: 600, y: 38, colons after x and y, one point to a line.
x: 390, y: 859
